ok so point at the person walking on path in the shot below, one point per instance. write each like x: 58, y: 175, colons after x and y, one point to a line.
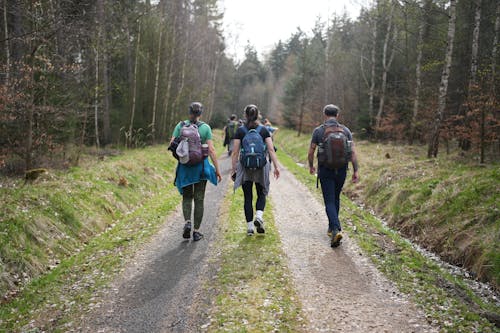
x: 229, y: 132
x: 252, y: 143
x: 335, y: 150
x: 194, y: 169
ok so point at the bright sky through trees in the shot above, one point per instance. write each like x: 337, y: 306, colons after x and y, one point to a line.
x: 264, y: 22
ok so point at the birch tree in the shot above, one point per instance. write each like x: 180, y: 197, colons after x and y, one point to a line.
x: 443, y: 87
x: 386, y: 62
x: 422, y: 29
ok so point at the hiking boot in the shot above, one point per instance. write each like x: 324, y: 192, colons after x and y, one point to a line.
x: 259, y: 224
x: 197, y: 236
x: 249, y: 232
x: 329, y: 232
x: 186, y: 232
x: 336, y: 237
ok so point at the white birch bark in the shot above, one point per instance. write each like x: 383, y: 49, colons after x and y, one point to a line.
x: 134, y: 83
x: 386, y: 64
x: 418, y: 69
x: 443, y: 87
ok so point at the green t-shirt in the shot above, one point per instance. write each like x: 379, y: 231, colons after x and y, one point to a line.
x: 204, y: 130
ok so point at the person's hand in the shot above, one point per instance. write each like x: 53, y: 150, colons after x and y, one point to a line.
x: 219, y: 177
x: 312, y: 170
x: 355, y: 177
x: 276, y: 173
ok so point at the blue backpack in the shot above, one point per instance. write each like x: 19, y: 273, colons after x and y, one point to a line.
x: 253, y: 149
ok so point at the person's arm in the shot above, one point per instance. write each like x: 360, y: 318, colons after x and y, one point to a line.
x: 213, y: 157
x: 272, y: 153
x: 354, y: 161
x: 310, y: 158
x: 234, y: 156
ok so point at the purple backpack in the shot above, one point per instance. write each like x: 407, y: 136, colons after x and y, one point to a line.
x: 190, y: 134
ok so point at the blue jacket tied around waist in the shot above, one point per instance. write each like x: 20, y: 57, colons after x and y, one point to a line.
x: 192, y: 174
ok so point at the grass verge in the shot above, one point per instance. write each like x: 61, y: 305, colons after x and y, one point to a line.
x: 448, y: 205
x: 74, y: 233
x: 253, y: 290
x: 446, y: 299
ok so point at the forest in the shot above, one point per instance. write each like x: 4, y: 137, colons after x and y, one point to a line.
x: 102, y: 74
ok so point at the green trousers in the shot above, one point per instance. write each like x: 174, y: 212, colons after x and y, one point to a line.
x: 196, y: 193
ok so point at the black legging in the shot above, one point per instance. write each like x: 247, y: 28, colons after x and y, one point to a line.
x: 248, y: 194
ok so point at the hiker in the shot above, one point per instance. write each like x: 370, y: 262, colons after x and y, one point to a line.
x: 335, y: 150
x: 272, y: 130
x: 229, y: 132
x: 194, y: 169
x: 252, y: 143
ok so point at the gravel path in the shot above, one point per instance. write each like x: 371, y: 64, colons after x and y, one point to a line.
x: 340, y: 289
x: 161, y: 284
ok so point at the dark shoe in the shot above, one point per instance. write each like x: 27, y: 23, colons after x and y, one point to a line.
x: 336, y: 238
x: 197, y: 236
x: 329, y: 232
x: 259, y: 224
x: 186, y: 232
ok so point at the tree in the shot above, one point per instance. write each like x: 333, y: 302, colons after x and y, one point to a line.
x: 443, y: 87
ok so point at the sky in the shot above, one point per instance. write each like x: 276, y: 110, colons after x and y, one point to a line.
x: 264, y: 22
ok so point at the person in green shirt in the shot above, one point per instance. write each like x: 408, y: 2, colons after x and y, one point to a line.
x: 191, y: 180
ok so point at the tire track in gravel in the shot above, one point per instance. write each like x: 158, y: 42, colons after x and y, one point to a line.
x: 163, y: 281
x: 340, y: 289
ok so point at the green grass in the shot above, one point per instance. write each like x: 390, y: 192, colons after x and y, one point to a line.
x: 450, y: 204
x: 82, y: 225
x: 253, y: 288
x: 446, y: 299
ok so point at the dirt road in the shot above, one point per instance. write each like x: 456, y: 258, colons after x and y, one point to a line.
x: 340, y: 289
x: 156, y: 291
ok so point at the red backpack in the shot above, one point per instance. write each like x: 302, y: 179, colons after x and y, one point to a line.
x: 334, y: 151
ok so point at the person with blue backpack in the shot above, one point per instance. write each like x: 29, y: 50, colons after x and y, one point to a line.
x: 252, y: 144
x: 193, y: 144
x: 335, y: 151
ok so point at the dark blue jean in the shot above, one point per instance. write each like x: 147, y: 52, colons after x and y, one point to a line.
x: 332, y: 182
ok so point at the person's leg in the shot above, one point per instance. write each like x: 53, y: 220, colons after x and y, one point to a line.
x: 259, y: 208
x: 199, y: 198
x: 339, y: 184
x: 187, y: 201
x: 187, y: 207
x: 328, y: 190
x: 248, y: 196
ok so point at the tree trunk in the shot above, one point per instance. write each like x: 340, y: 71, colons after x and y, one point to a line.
x: 386, y: 64
x: 494, y: 51
x: 134, y: 83
x: 418, y: 70
x: 96, y: 99
x: 214, y: 85
x: 443, y: 87
x: 17, y: 40
x: 372, y: 79
x: 169, y: 78
x: 102, y: 45
x: 475, y: 46
x: 7, y: 50
x: 492, y: 95
x: 157, y: 77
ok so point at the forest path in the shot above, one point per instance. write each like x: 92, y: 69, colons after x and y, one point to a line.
x: 158, y: 288
x: 340, y: 289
